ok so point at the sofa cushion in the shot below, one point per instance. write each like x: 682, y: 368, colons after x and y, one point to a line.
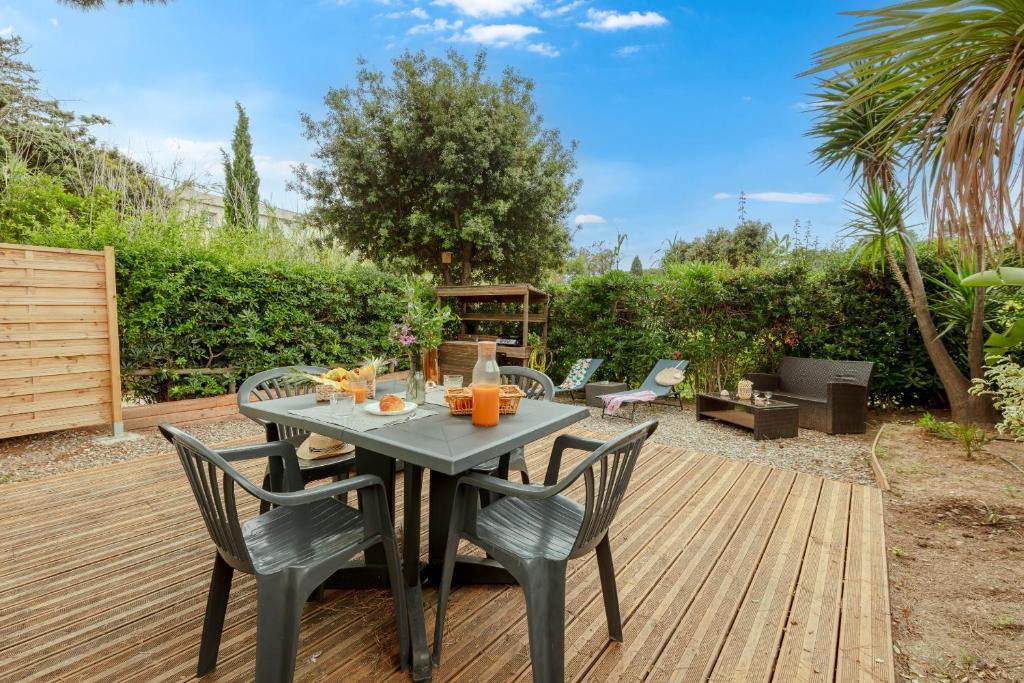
x: 809, y: 377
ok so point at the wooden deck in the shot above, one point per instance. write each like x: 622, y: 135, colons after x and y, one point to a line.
x: 728, y: 571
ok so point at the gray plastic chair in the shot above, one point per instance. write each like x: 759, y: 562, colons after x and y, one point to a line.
x: 651, y: 384
x: 290, y: 550
x: 533, y: 532
x: 538, y: 387
x: 274, y: 383
x: 570, y: 385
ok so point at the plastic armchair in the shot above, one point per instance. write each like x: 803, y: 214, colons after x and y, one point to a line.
x: 534, y: 530
x: 276, y: 383
x: 290, y: 550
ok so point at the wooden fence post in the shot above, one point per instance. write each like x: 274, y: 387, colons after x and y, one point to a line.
x: 113, y: 339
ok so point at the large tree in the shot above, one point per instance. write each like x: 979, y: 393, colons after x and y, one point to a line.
x: 930, y: 94
x: 241, y: 181
x: 441, y: 158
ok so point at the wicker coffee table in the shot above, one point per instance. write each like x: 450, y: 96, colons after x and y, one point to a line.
x: 777, y: 420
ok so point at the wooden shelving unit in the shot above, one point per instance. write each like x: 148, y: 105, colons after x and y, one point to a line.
x: 458, y: 355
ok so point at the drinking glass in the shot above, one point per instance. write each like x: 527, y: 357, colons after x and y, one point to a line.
x: 452, y: 381
x: 359, y: 389
x: 767, y: 397
x: 343, y: 403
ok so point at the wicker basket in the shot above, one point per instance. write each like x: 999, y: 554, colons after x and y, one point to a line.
x: 460, y: 400
x: 324, y: 391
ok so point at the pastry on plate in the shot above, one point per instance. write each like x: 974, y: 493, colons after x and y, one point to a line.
x: 391, y: 404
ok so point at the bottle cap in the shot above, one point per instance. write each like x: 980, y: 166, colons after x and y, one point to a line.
x: 487, y: 347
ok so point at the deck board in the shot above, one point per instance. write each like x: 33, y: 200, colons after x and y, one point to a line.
x: 726, y: 570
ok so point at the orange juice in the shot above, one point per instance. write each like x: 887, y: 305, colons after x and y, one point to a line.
x: 359, y: 389
x: 485, y: 404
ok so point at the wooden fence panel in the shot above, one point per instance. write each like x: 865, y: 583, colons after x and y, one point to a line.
x: 60, y: 362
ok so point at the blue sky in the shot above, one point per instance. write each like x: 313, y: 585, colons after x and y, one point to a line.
x: 677, y: 108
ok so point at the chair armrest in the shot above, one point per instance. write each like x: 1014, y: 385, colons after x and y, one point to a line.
x: 764, y: 381
x: 562, y: 443
x: 504, y: 487
x: 280, y: 449
x: 317, y: 493
x: 847, y: 407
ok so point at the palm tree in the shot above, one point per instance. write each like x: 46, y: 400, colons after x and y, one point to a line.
x: 875, y: 163
x: 935, y: 88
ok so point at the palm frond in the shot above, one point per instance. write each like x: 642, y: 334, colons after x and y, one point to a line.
x: 956, y: 69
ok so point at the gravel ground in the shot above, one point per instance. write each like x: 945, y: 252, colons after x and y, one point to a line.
x: 41, y: 455
x: 845, y: 458
x: 835, y: 457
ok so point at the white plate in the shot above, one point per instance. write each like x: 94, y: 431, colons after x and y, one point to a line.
x: 373, y: 408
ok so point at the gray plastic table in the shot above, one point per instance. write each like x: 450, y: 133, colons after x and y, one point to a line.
x: 447, y: 446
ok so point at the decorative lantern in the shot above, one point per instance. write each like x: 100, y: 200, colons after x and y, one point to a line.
x: 744, y: 389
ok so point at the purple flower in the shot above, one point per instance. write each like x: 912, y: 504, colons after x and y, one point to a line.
x: 406, y: 339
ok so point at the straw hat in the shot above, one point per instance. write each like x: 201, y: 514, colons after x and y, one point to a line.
x: 318, y: 446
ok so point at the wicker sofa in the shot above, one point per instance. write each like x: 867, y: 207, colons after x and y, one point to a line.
x: 832, y: 394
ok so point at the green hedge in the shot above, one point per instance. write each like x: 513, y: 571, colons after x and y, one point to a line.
x: 191, y: 297
x: 730, y: 320
x: 200, y: 309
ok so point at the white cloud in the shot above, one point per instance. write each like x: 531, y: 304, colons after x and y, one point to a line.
x: 747, y: 98
x: 588, y: 219
x: 781, y: 197
x: 627, y: 50
x: 415, y: 13
x: 7, y: 31
x: 53, y: 22
x: 545, y: 49
x: 610, y: 20
x: 561, y: 10
x: 436, y: 26
x: 488, y: 8
x: 496, y: 35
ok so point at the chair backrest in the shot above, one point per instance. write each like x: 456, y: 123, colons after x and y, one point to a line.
x: 580, y: 373
x: 811, y: 376
x: 276, y: 383
x: 650, y: 384
x: 537, y: 385
x: 606, y: 474
x: 213, y: 485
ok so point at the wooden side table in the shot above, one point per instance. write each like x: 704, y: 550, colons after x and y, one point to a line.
x: 595, y: 390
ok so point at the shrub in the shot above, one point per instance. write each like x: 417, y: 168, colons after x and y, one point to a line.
x: 189, y: 297
x: 731, y: 320
x: 971, y: 437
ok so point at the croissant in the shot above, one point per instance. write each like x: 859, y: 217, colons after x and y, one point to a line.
x: 391, y: 403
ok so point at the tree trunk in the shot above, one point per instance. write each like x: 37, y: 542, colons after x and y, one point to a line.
x: 981, y: 407
x: 467, y: 263
x: 446, y: 272
x: 953, y: 381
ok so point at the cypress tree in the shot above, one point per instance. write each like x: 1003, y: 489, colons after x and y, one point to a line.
x: 636, y: 268
x: 241, y: 182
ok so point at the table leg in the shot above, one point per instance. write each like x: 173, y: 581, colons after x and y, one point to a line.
x: 467, y: 569
x: 422, y: 668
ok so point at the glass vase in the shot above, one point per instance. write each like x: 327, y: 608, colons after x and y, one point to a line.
x: 416, y: 384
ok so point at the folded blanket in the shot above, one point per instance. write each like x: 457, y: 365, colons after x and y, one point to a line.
x: 612, y: 402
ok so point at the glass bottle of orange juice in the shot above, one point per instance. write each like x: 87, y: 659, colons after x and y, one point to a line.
x: 486, y: 385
